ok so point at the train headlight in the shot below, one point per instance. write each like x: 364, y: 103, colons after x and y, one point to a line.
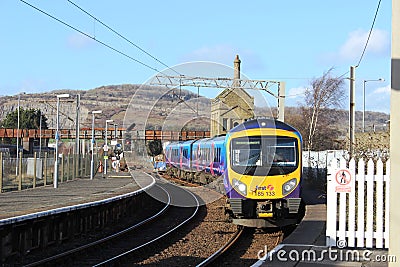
x: 241, y: 187
x: 289, y: 186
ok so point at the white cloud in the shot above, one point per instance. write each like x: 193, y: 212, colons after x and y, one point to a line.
x: 79, y: 41
x: 382, y: 90
x: 379, y: 99
x: 295, y: 96
x: 354, y: 45
x: 352, y: 48
x: 224, y: 54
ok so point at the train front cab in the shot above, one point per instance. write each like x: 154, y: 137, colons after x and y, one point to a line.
x: 264, y: 191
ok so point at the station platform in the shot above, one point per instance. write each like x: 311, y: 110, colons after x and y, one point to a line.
x: 18, y: 204
x: 305, y: 246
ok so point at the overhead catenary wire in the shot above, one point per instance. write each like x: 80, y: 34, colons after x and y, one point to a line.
x: 103, y: 43
x: 121, y: 36
x: 366, y: 43
x: 369, y: 35
x: 91, y: 37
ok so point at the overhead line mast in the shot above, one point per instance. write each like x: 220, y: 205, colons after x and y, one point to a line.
x: 226, y: 83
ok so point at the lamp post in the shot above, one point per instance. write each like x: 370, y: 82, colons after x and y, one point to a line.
x: 92, y: 145
x: 106, y: 148
x: 16, y: 164
x: 363, y: 114
x: 40, y: 135
x: 55, y: 179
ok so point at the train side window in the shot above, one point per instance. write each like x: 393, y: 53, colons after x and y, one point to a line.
x: 216, y: 155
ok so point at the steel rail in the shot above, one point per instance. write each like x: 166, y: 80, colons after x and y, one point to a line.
x: 113, y: 259
x: 223, y: 249
x: 105, y: 239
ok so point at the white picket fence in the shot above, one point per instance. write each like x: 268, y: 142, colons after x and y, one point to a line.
x: 359, y: 218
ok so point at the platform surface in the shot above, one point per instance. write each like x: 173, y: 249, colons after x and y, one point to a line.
x: 70, y: 193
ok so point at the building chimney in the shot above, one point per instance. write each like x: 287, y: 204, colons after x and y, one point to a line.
x: 236, y: 71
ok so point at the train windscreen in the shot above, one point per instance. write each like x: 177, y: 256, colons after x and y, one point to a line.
x: 264, y: 155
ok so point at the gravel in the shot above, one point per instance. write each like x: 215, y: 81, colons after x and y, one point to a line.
x: 209, y: 233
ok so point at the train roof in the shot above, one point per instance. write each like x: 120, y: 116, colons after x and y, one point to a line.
x: 263, y: 123
x: 179, y: 144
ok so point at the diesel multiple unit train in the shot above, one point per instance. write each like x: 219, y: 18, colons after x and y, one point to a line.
x: 260, y: 162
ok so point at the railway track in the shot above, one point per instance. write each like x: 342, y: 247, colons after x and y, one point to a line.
x: 124, y: 246
x: 223, y: 249
x: 146, y: 242
x: 243, y: 246
x: 247, y: 248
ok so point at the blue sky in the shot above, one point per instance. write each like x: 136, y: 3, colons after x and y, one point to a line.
x: 292, y: 41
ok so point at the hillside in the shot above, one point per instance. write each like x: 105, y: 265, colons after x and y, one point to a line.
x: 154, y: 108
x: 113, y: 100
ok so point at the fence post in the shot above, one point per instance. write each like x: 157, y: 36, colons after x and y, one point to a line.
x: 73, y: 166
x: 86, y: 165
x: 45, y: 169
x: 387, y: 204
x: 369, y: 235
x: 342, y: 207
x: 331, y: 207
x: 62, y: 167
x: 1, y: 172
x: 360, y: 203
x: 379, y: 204
x: 34, y: 170
x: 20, y: 172
x: 352, y: 205
x: 68, y: 166
x: 76, y: 166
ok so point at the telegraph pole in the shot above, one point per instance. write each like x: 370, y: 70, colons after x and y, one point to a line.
x: 394, y: 211
x: 352, y: 111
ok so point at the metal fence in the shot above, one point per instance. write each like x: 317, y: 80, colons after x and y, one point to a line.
x: 30, y: 171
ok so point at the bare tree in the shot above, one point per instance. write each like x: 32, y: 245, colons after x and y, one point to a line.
x: 325, y: 92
